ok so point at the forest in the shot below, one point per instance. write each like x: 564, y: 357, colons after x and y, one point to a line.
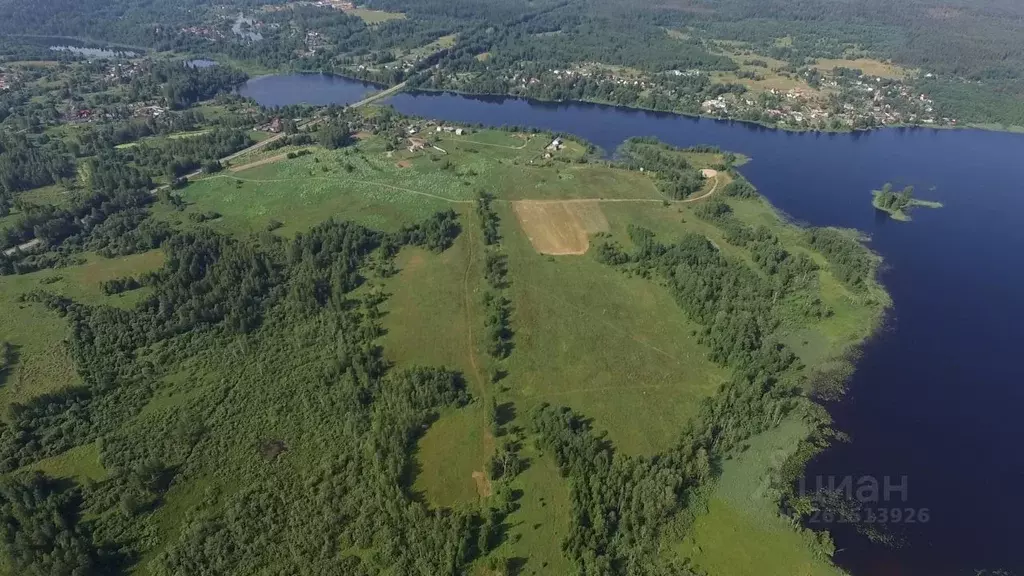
x: 214, y: 289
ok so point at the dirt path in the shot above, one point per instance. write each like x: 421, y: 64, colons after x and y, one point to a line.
x: 256, y: 163
x: 703, y: 196
x: 714, y: 188
x: 483, y: 483
x: 489, y: 144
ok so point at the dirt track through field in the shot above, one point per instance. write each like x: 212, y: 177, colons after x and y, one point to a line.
x: 483, y: 484
x: 560, y: 228
x: 256, y: 163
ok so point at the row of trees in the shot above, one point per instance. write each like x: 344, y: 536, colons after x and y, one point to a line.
x: 848, y: 260
x: 497, y: 307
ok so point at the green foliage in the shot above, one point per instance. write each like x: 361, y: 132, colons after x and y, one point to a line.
x: 766, y: 250
x: 334, y: 134
x: 848, y: 259
x: 673, y: 173
x: 214, y: 289
x: 740, y: 188
x: 30, y: 163
x: 40, y: 534
x: 498, y: 310
x: 488, y: 218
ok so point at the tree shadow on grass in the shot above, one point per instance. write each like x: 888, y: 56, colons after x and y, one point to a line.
x: 10, y: 355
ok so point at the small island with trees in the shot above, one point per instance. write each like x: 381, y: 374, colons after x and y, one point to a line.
x: 898, y: 204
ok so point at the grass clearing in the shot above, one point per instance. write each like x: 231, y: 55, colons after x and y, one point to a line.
x: 608, y: 345
x: 741, y: 532
x: 81, y: 463
x: 448, y: 455
x: 43, y: 364
x: 869, y: 66
x: 375, y: 16
x: 540, y: 524
x: 452, y: 455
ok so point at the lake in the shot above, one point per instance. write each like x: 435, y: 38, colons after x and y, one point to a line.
x: 935, y: 396
x: 313, y: 89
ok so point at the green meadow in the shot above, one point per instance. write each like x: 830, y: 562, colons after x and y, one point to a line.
x: 43, y: 364
x: 615, y: 347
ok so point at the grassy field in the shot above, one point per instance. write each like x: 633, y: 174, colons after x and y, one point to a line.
x: 375, y: 16
x: 81, y: 463
x: 452, y: 455
x: 599, y: 341
x: 384, y: 190
x: 869, y: 66
x: 43, y: 364
x: 740, y: 532
x: 540, y: 524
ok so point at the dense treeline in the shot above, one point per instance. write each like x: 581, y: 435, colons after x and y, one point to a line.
x: 766, y: 250
x: 30, y: 163
x: 672, y: 172
x: 488, y: 218
x: 847, y: 258
x: 180, y: 86
x: 497, y: 307
x: 94, y: 139
x: 172, y: 157
x: 40, y: 532
x: 112, y: 223
x: 886, y: 199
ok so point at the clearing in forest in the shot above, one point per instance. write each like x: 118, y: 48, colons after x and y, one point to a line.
x: 560, y: 228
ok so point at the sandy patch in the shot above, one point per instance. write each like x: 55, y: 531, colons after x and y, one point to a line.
x: 403, y: 164
x: 708, y: 172
x: 560, y: 228
x: 415, y: 262
x: 483, y: 484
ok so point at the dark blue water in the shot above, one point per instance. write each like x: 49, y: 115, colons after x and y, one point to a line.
x: 937, y: 395
x: 312, y: 89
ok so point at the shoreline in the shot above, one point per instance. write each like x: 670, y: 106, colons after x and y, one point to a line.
x: 988, y: 127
